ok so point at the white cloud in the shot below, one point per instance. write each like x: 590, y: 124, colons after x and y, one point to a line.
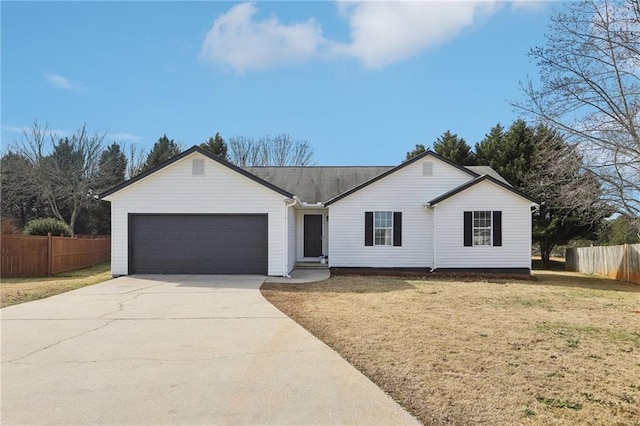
x: 381, y: 32
x: 386, y: 32
x: 527, y: 6
x: 60, y: 82
x: 124, y: 137
x: 56, y: 133
x: 15, y: 129
x: 239, y: 41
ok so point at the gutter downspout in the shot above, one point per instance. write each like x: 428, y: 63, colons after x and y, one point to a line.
x: 429, y: 207
x: 288, y: 202
x: 434, y: 266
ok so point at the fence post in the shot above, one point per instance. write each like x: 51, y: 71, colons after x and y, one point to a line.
x: 49, y: 253
x: 626, y: 258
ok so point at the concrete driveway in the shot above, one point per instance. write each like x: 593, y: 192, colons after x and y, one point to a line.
x: 176, y: 350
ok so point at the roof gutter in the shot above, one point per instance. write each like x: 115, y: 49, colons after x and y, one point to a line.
x: 305, y: 205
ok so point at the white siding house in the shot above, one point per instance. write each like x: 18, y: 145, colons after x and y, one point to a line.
x: 197, y: 213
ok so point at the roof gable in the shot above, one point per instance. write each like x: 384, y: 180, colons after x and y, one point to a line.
x: 186, y: 153
x: 401, y: 166
x: 476, y: 181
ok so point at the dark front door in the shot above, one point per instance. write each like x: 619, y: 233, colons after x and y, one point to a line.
x: 312, y: 235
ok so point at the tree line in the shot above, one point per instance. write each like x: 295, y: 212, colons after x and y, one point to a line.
x: 44, y: 175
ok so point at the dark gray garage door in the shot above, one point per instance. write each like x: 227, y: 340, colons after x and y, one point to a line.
x: 197, y: 244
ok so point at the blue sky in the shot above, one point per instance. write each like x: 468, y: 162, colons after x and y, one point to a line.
x: 363, y: 83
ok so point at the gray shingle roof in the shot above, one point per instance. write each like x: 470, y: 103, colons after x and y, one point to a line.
x: 313, y: 184
x: 486, y: 170
x: 317, y: 184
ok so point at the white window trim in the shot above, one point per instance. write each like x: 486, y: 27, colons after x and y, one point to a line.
x: 389, y: 228
x: 474, y: 227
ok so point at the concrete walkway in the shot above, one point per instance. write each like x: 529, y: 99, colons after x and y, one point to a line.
x: 176, y: 350
x: 302, y: 276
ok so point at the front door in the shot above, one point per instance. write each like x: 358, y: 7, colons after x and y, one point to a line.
x: 312, y: 235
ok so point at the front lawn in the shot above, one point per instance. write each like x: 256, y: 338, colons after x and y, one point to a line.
x: 564, y: 349
x: 20, y: 290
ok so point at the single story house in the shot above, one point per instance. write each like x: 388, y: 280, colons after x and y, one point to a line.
x: 199, y: 214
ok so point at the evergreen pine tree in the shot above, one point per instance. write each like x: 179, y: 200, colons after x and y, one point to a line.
x: 216, y: 145
x: 162, y: 150
x: 453, y: 148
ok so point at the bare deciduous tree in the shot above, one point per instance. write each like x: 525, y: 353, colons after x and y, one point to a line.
x: 19, y: 201
x: 278, y: 150
x: 569, y: 196
x: 590, y: 90
x: 62, y: 169
x: 135, y: 159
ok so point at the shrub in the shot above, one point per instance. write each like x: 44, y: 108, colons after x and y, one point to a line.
x: 45, y: 225
x: 7, y: 227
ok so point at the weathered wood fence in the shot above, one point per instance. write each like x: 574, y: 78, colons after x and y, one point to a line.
x: 618, y: 262
x: 33, y: 256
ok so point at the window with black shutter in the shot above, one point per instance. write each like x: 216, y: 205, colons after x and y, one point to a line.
x: 468, y: 229
x: 483, y: 228
x: 383, y: 228
x: 368, y: 228
x: 397, y: 229
x: 497, y: 228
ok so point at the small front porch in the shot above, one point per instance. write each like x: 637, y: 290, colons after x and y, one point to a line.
x: 312, y: 231
x: 311, y: 265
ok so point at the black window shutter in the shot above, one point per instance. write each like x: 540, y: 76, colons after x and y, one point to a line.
x: 468, y: 229
x: 368, y: 228
x: 397, y: 229
x: 497, y: 228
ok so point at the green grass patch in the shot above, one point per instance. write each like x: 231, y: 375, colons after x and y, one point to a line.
x: 21, y: 290
x: 554, y: 265
x: 558, y: 403
x: 78, y: 273
x: 571, y: 331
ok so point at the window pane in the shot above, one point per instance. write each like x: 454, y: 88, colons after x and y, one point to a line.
x: 388, y: 237
x: 481, y: 237
x: 482, y: 219
x: 383, y: 228
x: 382, y: 237
x: 383, y: 219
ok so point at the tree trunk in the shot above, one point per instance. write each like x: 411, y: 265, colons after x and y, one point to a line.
x: 545, y: 254
x: 72, y: 222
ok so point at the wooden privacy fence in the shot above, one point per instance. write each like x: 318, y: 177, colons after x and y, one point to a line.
x: 32, y: 256
x: 618, y: 262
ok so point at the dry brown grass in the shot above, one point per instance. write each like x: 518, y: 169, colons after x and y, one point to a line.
x: 564, y: 349
x: 20, y: 290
